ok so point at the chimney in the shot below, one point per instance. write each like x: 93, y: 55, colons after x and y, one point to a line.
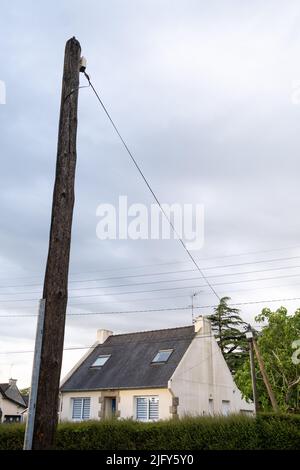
x: 102, y: 335
x: 12, y: 382
x: 202, y: 325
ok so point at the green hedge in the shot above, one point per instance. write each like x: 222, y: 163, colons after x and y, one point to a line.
x: 219, y: 433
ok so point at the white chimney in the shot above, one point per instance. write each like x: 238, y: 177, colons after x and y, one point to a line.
x: 102, y: 335
x: 202, y: 325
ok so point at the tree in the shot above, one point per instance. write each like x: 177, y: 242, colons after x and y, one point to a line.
x: 275, y: 342
x: 229, y: 329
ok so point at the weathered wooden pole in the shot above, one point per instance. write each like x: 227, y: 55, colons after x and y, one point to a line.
x: 250, y: 336
x: 265, y: 377
x: 253, y: 377
x: 56, y: 277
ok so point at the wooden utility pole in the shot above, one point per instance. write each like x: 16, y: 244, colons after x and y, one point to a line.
x: 56, y: 277
x: 265, y: 376
x: 249, y: 336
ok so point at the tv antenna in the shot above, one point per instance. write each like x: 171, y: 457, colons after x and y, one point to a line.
x: 192, y: 305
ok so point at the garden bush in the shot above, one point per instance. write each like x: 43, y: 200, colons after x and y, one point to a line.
x: 266, y: 431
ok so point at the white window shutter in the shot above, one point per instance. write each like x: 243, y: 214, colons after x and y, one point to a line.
x: 147, y: 408
x: 77, y: 408
x: 86, y: 408
x: 153, y: 409
x: 142, y: 408
x: 81, y: 408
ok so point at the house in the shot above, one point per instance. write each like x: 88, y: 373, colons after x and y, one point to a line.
x: 12, y: 404
x: 152, y: 375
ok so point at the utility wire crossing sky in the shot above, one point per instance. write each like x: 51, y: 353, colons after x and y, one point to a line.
x: 207, y: 96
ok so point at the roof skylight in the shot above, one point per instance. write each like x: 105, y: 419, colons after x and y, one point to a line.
x: 162, y: 355
x: 101, y: 360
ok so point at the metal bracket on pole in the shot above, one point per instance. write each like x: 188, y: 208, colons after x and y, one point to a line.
x: 34, y: 377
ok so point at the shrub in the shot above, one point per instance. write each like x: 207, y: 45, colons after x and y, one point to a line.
x: 11, y: 436
x: 266, y: 431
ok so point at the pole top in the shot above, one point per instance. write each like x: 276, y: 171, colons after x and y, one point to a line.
x: 73, y: 42
x: 249, y: 332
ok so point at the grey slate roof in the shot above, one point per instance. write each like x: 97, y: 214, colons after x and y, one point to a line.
x: 25, y: 399
x: 12, y: 393
x: 130, y: 363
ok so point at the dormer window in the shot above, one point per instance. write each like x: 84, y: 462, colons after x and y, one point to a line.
x: 162, y: 356
x: 101, y: 360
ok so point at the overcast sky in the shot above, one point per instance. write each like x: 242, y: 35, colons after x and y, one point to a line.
x: 206, y: 96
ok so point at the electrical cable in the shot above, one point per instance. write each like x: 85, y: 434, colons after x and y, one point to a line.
x: 160, y: 281
x: 150, y: 188
x: 74, y: 348
x: 158, y: 290
x: 164, y: 264
x: 167, y: 309
x: 170, y: 272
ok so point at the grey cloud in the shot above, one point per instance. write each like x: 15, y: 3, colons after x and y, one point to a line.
x: 202, y: 94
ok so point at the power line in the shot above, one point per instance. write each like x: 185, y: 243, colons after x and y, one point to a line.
x: 109, y: 278
x: 170, y: 272
x: 74, y: 348
x: 76, y: 304
x: 167, y: 309
x: 160, y: 290
x: 162, y: 281
x: 150, y: 188
x: 249, y: 253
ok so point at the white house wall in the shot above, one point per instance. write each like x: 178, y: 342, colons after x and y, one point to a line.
x: 9, y: 408
x: 203, y: 375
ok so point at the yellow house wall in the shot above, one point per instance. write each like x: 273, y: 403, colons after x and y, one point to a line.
x: 125, y: 403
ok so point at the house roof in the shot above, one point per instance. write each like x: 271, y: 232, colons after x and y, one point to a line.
x: 25, y: 399
x: 130, y: 363
x: 12, y: 393
x: 3, y: 388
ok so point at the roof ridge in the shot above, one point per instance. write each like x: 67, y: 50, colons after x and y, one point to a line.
x: 151, y: 331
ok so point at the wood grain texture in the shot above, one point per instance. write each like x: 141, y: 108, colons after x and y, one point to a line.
x: 56, y: 276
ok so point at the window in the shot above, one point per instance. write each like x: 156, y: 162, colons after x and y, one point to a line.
x: 225, y: 407
x: 247, y: 412
x: 81, y: 408
x: 100, y: 361
x: 162, y: 355
x: 147, y: 408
